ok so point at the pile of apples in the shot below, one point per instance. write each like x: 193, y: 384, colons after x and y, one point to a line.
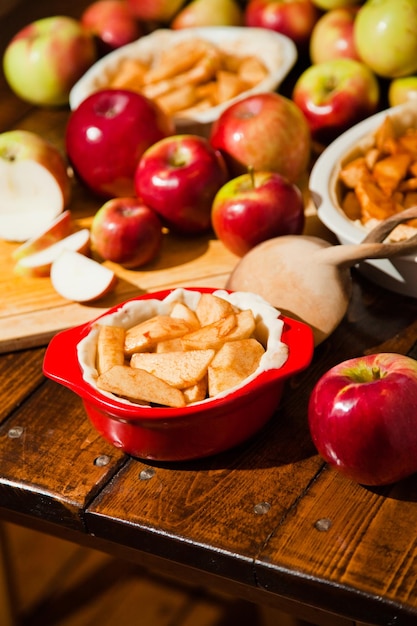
x: 243, y: 180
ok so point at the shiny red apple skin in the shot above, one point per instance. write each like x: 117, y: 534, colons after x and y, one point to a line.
x: 178, y: 177
x: 333, y: 36
x: 335, y: 95
x: 293, y: 18
x: 112, y: 23
x: 254, y: 207
x: 363, y: 424
x: 266, y: 132
x: 127, y: 232
x: 107, y: 134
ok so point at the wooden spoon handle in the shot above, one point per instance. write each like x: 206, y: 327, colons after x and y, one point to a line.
x: 372, y: 247
x: 384, y: 228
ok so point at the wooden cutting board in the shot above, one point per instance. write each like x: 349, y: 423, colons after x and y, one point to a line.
x: 31, y: 312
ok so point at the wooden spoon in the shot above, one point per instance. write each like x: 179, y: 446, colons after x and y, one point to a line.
x: 308, y: 278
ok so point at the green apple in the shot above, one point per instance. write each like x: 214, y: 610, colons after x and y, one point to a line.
x: 403, y: 89
x: 44, y: 60
x: 386, y: 36
x: 209, y: 13
x: 327, y: 5
x: 34, y: 185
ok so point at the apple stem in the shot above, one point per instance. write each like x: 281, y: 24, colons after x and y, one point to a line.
x: 376, y: 373
x: 251, y: 172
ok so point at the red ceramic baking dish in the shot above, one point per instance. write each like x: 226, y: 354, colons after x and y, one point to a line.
x: 170, y: 434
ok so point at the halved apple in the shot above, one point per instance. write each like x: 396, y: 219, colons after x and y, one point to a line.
x: 34, y: 184
x: 39, y: 263
x: 59, y: 228
x: 77, y: 277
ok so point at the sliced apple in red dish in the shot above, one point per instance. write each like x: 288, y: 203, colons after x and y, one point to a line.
x: 59, y: 228
x: 39, y: 263
x: 34, y: 184
x: 77, y: 277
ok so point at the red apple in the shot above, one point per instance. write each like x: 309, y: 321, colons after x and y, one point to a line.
x: 112, y: 23
x: 335, y: 95
x: 254, y: 207
x: 126, y: 231
x: 107, y: 134
x: 45, y: 59
x: 76, y: 277
x: 178, y: 177
x: 34, y: 184
x: 333, y: 36
x: 155, y: 10
x: 363, y: 418
x: 265, y: 132
x: 293, y: 18
x: 402, y: 90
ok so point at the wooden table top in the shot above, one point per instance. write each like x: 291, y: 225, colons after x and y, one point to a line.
x: 268, y: 521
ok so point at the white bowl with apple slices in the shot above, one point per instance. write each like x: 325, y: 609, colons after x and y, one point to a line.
x: 277, y: 52
x: 397, y: 274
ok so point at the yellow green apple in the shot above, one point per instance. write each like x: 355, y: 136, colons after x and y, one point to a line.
x: 386, y: 36
x: 44, y: 60
x: 209, y: 13
x: 328, y: 5
x: 403, y: 89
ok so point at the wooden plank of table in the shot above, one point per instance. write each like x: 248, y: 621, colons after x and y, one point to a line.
x: 351, y: 544
x: 213, y: 514
x: 52, y: 460
x: 15, y: 387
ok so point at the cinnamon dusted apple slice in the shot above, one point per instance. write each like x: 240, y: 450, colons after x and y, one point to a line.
x: 39, y: 263
x: 79, y: 278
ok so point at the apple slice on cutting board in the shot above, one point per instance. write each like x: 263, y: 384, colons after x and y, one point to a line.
x: 77, y: 277
x: 59, y: 228
x: 39, y: 263
x: 34, y: 185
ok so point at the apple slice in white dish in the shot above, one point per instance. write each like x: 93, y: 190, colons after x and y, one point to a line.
x: 79, y: 278
x: 39, y: 263
x: 34, y: 185
x: 59, y: 228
